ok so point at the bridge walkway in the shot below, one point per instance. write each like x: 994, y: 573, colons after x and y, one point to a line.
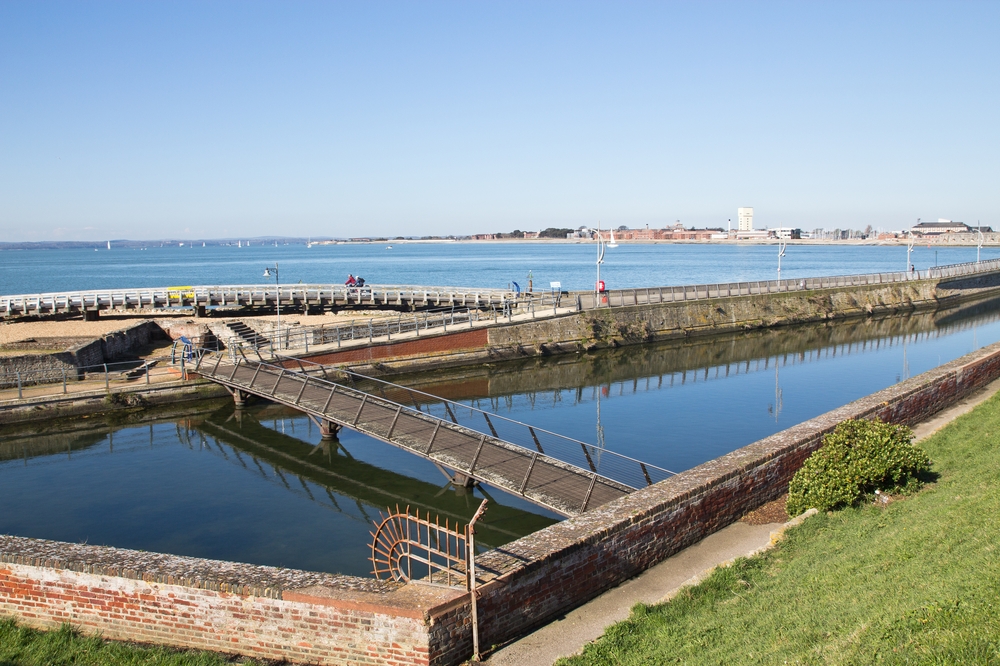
x: 532, y: 474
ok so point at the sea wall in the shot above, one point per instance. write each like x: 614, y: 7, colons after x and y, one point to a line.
x: 319, y: 618
x: 636, y: 324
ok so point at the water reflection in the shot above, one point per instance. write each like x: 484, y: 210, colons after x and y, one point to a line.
x: 219, y: 483
x: 678, y: 404
x: 259, y: 485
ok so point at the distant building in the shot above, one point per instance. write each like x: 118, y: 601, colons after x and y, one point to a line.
x: 940, y: 227
x: 745, y: 216
x: 753, y: 234
x: 531, y: 234
x: 786, y: 233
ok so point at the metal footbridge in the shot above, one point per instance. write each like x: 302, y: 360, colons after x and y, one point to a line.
x: 263, y: 296
x: 560, y: 473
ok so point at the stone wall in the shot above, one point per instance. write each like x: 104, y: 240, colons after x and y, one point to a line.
x: 319, y: 618
x: 223, y: 606
x: 128, y: 341
x: 49, y: 367
x: 613, y: 327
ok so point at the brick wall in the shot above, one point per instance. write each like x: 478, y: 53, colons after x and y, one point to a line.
x: 449, y: 342
x: 540, y: 576
x: 187, y: 602
x: 320, y: 618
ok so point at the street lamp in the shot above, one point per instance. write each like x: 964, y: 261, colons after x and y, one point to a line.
x: 781, y: 252
x: 909, y: 248
x: 267, y: 274
x: 598, y: 287
x: 979, y: 246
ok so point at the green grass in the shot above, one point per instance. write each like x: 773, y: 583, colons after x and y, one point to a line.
x: 21, y: 646
x: 916, y: 582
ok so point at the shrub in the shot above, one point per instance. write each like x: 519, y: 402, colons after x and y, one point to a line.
x: 858, y: 457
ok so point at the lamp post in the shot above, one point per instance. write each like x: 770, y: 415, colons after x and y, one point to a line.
x: 267, y: 274
x: 600, y: 259
x: 979, y: 246
x: 781, y: 252
x: 909, y: 248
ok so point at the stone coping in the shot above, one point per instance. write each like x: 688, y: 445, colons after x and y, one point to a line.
x: 217, y: 575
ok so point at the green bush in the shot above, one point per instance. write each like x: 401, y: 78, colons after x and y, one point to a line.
x: 858, y: 457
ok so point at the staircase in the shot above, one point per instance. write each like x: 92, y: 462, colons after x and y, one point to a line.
x: 247, y: 334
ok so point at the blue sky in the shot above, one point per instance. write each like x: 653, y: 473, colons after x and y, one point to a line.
x: 148, y: 120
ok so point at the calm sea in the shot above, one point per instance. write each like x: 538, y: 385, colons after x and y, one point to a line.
x: 494, y: 265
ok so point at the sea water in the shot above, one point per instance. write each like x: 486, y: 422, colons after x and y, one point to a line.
x: 461, y: 264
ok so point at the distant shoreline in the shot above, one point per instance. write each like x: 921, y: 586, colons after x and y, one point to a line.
x: 990, y: 240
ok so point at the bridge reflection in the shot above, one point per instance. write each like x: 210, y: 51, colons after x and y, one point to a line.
x: 327, y: 473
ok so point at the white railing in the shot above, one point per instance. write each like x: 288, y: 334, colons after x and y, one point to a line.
x: 644, y: 296
x: 243, y: 295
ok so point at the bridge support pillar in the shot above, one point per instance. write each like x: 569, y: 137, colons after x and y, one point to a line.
x: 329, y: 429
x: 240, y: 398
x: 199, y: 311
x: 91, y: 315
x: 463, y: 481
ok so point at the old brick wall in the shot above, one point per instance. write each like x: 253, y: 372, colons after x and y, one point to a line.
x: 449, y: 342
x: 335, y: 620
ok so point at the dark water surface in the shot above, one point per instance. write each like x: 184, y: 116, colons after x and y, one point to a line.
x: 254, y: 487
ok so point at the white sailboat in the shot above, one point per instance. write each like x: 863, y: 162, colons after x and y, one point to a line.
x: 109, y: 245
x: 612, y: 243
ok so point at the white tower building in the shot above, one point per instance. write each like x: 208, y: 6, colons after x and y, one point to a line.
x: 746, y: 219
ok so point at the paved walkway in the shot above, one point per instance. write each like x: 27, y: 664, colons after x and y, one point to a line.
x: 567, y: 635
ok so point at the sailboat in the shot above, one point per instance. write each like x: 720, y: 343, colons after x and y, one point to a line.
x: 109, y: 245
x: 239, y: 243
x: 612, y: 243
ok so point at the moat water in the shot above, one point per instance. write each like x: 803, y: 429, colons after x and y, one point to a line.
x: 259, y: 485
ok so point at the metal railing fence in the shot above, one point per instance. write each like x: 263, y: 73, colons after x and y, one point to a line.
x: 267, y: 336
x: 109, y: 377
x: 629, y: 471
x: 645, y: 296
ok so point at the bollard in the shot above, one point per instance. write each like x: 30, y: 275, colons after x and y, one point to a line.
x: 184, y: 371
x: 19, y: 396
x: 338, y: 337
x: 64, y: 380
x: 147, y: 372
x: 106, y: 386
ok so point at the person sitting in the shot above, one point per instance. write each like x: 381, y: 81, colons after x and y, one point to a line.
x: 350, y: 280
x: 360, y: 282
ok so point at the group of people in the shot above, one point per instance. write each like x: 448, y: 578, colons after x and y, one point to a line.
x: 355, y: 281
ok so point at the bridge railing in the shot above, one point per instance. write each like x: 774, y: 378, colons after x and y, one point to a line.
x: 645, y: 296
x: 629, y: 471
x: 107, y: 377
x: 269, y: 337
x: 187, y: 296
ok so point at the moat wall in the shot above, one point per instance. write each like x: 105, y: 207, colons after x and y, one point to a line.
x: 636, y: 324
x: 321, y: 618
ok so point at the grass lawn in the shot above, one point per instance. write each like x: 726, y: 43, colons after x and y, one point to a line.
x: 917, y: 581
x: 21, y: 646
